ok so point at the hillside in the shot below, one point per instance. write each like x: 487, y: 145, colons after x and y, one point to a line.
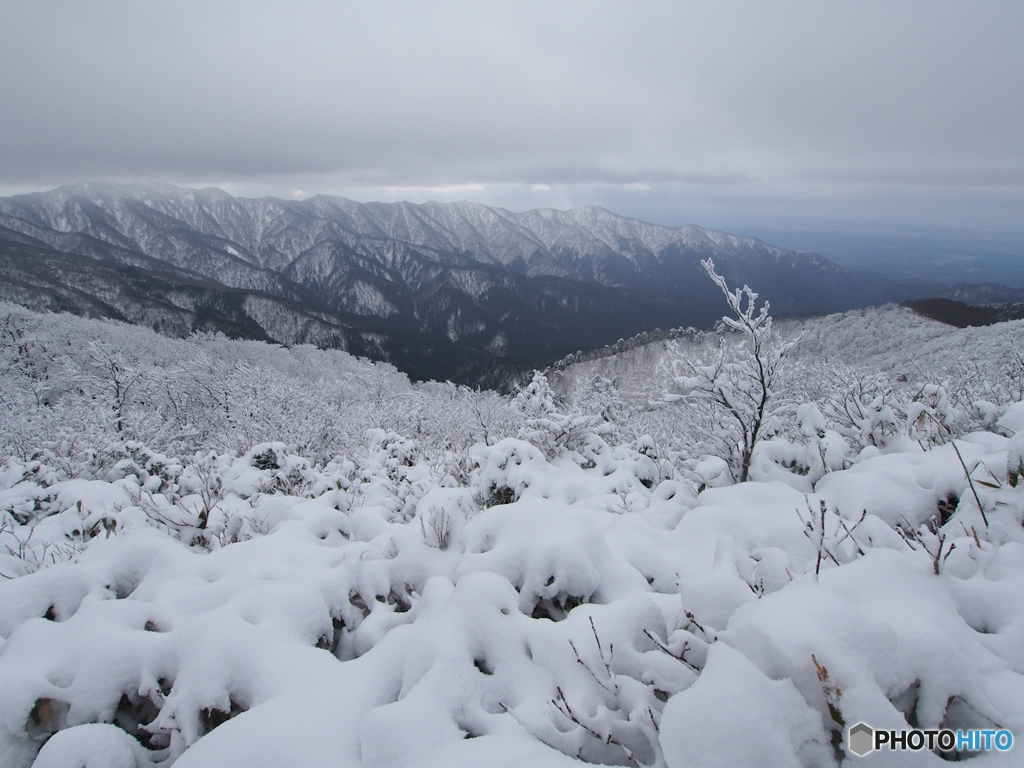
x: 228, y: 553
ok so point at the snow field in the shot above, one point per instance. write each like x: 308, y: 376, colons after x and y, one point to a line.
x: 390, y: 617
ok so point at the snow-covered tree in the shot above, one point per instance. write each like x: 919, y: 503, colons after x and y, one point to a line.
x: 736, y: 393
x: 546, y: 426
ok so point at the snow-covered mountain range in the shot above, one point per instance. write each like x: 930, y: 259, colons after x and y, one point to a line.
x: 444, y: 290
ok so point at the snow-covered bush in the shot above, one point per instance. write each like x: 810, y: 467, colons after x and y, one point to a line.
x: 549, y: 429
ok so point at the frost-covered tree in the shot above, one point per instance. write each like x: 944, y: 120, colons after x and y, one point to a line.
x: 546, y: 426
x: 736, y: 394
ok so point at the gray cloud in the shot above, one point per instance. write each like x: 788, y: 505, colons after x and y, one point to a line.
x: 732, y: 101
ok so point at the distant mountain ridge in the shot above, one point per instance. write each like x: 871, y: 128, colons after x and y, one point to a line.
x: 443, y: 290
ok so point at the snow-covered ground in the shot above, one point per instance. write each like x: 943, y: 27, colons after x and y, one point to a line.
x: 225, y: 554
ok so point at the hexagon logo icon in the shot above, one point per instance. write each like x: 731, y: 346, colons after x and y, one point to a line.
x: 860, y: 739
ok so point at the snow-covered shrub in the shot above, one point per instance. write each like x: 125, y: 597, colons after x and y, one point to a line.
x: 503, y: 471
x: 801, y: 464
x: 547, y: 428
x: 932, y: 418
x: 389, y: 474
x: 864, y: 409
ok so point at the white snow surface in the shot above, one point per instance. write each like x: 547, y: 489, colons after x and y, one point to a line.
x: 356, y: 631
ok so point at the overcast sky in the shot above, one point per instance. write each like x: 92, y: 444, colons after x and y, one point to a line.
x: 739, y: 115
